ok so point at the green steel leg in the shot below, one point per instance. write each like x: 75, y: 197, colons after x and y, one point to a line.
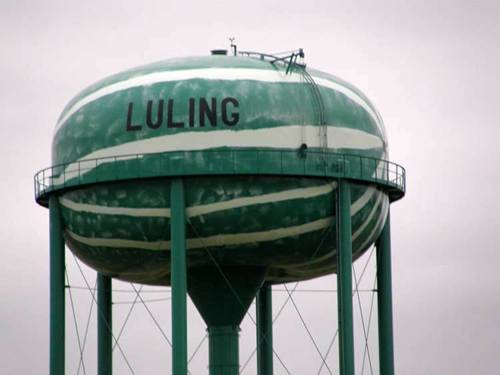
x: 384, y: 285
x: 178, y: 277
x: 104, y: 326
x: 57, y: 293
x: 344, y: 279
x: 264, y: 331
x: 223, y: 350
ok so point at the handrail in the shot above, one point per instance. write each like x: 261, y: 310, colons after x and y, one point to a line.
x: 312, y: 163
x: 291, y: 57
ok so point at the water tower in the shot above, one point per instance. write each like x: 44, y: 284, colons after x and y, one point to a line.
x: 220, y: 176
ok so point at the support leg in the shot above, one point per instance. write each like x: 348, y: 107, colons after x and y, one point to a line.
x: 104, y: 326
x: 57, y: 293
x: 178, y: 277
x: 344, y: 279
x: 384, y: 285
x: 264, y: 330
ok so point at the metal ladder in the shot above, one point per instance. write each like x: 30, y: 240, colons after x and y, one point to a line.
x: 289, y: 61
x: 316, y: 93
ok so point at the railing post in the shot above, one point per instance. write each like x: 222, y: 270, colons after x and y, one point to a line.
x: 178, y: 277
x: 344, y: 278
x: 57, y: 292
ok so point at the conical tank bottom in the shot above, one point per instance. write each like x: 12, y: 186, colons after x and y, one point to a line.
x: 223, y: 295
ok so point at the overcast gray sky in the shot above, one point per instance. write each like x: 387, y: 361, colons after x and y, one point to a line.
x: 431, y: 68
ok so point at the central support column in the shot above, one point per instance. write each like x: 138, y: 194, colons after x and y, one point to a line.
x: 178, y: 277
x: 104, y: 326
x: 57, y: 293
x: 344, y: 278
x: 264, y: 307
x: 384, y: 294
x: 223, y: 350
x: 222, y: 295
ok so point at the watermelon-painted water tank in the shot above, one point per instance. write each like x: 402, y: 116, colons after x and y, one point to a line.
x: 259, y: 141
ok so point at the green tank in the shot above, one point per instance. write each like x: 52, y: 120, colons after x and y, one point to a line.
x: 254, y: 140
x: 220, y: 176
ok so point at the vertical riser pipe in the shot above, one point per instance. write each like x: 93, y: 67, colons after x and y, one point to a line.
x: 223, y: 350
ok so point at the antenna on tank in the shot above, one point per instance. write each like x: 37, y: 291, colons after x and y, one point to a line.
x: 233, y: 46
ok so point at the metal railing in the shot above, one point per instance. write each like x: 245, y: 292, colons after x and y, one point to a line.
x: 308, y: 163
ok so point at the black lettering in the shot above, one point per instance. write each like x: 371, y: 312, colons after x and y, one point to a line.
x: 208, y: 111
x: 130, y: 126
x: 159, y: 114
x: 191, y: 112
x: 235, y: 116
x: 170, y: 115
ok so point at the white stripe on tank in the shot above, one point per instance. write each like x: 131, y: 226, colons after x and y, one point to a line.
x: 225, y: 74
x: 109, y: 210
x: 301, y: 193
x: 227, y: 239
x: 354, y: 236
x: 288, y: 136
x: 216, y: 240
x: 299, y: 271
